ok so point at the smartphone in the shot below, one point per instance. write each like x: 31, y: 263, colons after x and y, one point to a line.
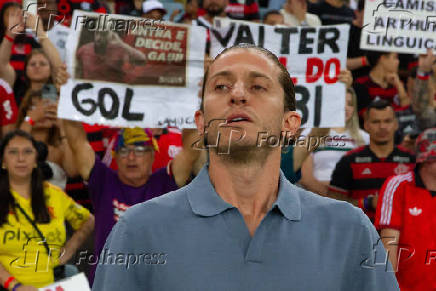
x: 49, y: 92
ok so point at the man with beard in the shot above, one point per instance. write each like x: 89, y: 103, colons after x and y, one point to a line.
x: 213, y: 8
x: 104, y: 58
x: 240, y: 225
x: 360, y: 174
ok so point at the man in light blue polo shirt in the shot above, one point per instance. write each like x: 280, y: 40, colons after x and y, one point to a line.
x: 240, y: 225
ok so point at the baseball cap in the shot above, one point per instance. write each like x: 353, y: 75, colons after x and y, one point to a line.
x: 426, y: 146
x: 136, y: 136
x: 149, y: 5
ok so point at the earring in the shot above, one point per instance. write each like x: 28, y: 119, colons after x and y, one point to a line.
x: 3, y: 167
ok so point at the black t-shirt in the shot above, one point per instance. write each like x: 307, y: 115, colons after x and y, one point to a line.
x: 355, y: 51
x: 330, y: 15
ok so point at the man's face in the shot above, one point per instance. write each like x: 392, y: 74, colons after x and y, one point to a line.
x: 243, y: 92
x: 381, y: 125
x: 134, y: 163
x: 215, y: 7
x: 155, y: 14
x: 274, y: 19
x: 430, y: 166
x: 390, y: 62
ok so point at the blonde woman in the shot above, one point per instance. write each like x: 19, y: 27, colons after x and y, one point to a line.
x: 318, y: 167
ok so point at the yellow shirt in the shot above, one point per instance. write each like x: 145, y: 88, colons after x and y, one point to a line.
x: 22, y: 252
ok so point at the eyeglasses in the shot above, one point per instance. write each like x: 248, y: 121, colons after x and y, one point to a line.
x: 139, y: 151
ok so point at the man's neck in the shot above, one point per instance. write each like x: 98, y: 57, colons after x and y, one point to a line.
x: 428, y: 178
x: 133, y: 182
x: 382, y: 151
x: 377, y: 75
x: 250, y: 187
x: 210, y: 18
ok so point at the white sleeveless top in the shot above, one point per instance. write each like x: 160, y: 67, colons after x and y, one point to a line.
x: 59, y: 176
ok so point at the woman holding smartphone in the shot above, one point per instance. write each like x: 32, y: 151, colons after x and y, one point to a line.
x: 37, y: 115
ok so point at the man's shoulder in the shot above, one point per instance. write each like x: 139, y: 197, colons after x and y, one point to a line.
x: 165, y: 208
x: 331, y: 211
x: 86, y: 48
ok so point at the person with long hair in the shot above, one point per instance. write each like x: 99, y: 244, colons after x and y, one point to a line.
x: 16, y: 44
x: 32, y: 218
x: 318, y: 167
x: 37, y: 116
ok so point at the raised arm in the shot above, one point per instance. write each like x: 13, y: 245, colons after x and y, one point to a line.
x: 182, y: 165
x: 83, y: 154
x: 35, y: 23
x: 16, y: 25
x: 422, y: 101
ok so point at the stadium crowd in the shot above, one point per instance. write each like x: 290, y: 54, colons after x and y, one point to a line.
x: 55, y: 171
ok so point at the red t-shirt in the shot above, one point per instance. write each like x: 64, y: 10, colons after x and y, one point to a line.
x: 9, y: 110
x: 405, y: 205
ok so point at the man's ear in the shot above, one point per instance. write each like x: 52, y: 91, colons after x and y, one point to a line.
x: 199, y: 121
x: 291, y: 122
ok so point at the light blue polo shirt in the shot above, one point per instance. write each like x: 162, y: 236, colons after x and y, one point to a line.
x: 191, y: 239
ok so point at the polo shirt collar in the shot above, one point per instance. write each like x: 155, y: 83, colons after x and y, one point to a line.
x: 288, y: 201
x: 202, y: 196
x: 205, y: 201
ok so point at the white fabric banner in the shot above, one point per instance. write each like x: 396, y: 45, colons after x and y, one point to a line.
x: 403, y: 26
x: 313, y: 56
x: 130, y: 72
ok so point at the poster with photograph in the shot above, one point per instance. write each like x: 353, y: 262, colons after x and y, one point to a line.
x: 130, y: 71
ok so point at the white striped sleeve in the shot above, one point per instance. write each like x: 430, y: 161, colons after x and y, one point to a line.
x: 388, y: 196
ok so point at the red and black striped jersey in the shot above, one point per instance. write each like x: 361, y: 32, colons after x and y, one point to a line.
x: 243, y: 10
x: 367, y: 90
x: 361, y: 173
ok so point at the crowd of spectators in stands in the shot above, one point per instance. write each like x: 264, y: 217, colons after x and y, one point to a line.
x: 390, y: 100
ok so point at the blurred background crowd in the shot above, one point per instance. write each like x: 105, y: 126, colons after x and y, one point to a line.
x: 56, y: 171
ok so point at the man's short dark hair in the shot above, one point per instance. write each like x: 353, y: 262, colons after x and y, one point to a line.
x: 374, y: 56
x: 270, y: 12
x: 379, y: 104
x: 284, y: 77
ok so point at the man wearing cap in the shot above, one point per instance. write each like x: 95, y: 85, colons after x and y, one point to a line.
x: 112, y: 193
x: 153, y: 9
x: 406, y: 217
